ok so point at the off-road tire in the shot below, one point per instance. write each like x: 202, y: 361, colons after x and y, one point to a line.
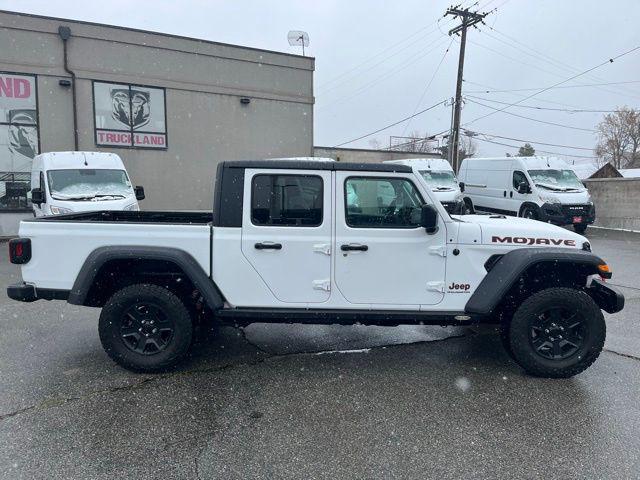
x: 529, y: 212
x: 532, y: 309
x: 468, y: 207
x: 580, y: 228
x: 113, y: 316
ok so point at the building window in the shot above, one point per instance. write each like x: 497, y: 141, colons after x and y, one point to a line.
x: 286, y: 200
x: 18, y: 138
x: 377, y: 202
x: 129, y: 116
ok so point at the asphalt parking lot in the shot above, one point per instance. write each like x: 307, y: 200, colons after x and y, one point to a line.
x: 287, y: 401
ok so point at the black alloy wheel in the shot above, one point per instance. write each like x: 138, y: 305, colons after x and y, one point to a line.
x: 557, y: 333
x: 146, y: 329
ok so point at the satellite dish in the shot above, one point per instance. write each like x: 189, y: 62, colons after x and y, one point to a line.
x: 298, y: 37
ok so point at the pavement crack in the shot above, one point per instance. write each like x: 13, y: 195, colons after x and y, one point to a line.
x: 272, y: 355
x: 156, y: 379
x: 16, y: 412
x: 625, y: 355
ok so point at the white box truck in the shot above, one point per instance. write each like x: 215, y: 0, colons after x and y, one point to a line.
x: 69, y: 182
x: 539, y: 188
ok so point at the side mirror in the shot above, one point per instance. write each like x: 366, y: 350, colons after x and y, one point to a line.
x: 461, y: 184
x: 37, y: 196
x: 139, y: 192
x: 523, y: 187
x: 429, y: 219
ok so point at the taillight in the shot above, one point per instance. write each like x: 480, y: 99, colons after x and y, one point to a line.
x: 19, y: 250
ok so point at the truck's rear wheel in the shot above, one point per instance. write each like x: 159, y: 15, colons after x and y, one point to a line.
x: 145, y: 328
x: 557, y: 333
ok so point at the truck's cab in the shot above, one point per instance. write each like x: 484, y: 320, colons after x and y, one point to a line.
x: 539, y: 188
x: 441, y: 180
x: 67, y: 182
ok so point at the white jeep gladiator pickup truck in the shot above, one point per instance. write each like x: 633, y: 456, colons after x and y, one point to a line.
x: 320, y: 242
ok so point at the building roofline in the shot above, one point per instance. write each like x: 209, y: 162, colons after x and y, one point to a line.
x: 151, y: 32
x: 317, y: 165
x: 374, y: 150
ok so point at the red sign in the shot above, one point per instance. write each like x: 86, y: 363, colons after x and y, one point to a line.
x: 14, y: 87
x: 125, y: 139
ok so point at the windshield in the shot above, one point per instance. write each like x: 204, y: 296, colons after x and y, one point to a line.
x: 442, y: 179
x: 88, y: 184
x: 561, y: 180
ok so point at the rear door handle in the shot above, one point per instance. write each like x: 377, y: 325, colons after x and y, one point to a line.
x: 354, y: 247
x: 268, y: 246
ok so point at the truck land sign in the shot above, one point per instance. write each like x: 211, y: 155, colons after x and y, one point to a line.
x: 129, y: 116
x: 18, y: 122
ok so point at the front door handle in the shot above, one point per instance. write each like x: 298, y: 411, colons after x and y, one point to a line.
x: 354, y: 247
x: 268, y: 246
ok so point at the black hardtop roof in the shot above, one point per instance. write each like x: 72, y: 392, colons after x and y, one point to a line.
x: 319, y: 165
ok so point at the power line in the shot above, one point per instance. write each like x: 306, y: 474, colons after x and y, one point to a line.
x: 548, y: 58
x: 382, y: 61
x: 568, y: 110
x: 543, y: 100
x: 530, y: 141
x: 395, y: 70
x: 391, y: 125
x: 424, y: 92
x: 611, y: 60
x: 552, y: 87
x: 555, y: 74
x: 391, y: 47
x: 496, y: 110
x: 542, y: 151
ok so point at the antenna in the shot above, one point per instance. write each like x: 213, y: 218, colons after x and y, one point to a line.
x: 298, y: 37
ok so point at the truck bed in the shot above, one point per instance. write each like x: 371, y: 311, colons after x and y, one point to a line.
x: 62, y: 243
x: 119, y: 216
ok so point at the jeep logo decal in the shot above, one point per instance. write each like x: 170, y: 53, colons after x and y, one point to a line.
x: 459, y: 287
x: 534, y: 241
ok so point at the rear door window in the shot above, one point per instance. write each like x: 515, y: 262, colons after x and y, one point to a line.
x: 286, y: 200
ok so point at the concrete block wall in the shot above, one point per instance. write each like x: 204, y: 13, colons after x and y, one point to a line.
x: 617, y: 202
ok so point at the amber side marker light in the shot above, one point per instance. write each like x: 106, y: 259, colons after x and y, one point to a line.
x: 604, y: 271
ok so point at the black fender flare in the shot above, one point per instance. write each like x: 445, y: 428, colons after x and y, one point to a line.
x: 100, y: 256
x: 508, y: 269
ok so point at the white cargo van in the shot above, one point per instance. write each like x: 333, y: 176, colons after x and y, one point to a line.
x: 66, y: 182
x: 440, y: 178
x: 540, y: 188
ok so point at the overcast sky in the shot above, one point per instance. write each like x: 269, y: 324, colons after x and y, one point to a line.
x: 374, y: 59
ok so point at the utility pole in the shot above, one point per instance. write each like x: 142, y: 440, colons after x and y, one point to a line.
x: 468, y: 19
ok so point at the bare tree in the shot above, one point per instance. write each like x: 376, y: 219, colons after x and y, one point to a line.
x: 468, y: 147
x: 634, y: 139
x: 374, y: 143
x: 619, y: 137
x: 416, y: 142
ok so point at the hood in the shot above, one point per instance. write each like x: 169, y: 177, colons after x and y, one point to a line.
x: 566, y: 198
x: 522, y: 232
x: 93, y: 206
x: 451, y: 195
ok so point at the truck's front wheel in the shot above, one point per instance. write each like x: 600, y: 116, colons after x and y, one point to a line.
x: 557, y: 333
x: 145, y: 328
